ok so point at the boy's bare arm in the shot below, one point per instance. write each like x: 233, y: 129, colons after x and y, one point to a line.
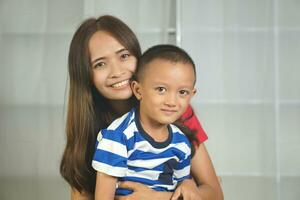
x: 105, y: 187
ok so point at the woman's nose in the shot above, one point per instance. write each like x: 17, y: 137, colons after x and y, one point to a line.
x: 116, y: 69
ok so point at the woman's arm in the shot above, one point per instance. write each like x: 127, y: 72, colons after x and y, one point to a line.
x: 105, y: 187
x: 205, y: 176
x: 143, y: 192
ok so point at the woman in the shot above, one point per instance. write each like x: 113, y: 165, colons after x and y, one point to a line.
x: 102, y: 58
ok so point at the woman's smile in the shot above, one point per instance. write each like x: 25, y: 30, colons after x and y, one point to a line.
x: 121, y: 84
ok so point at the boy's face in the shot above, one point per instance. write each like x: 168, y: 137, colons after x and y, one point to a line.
x: 164, y: 91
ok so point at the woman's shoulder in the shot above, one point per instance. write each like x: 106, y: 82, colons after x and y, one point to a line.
x: 190, y: 120
x: 188, y: 113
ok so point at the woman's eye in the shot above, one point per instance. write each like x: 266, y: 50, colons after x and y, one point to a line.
x: 99, y: 64
x: 160, y: 90
x: 125, y: 56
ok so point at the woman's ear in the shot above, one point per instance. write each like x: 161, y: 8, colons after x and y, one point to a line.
x: 136, y: 89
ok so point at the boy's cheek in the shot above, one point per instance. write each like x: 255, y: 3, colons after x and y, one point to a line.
x: 184, y: 106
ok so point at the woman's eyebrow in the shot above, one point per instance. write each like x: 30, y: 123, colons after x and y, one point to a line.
x: 121, y: 50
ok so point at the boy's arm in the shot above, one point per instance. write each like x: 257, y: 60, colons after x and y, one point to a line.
x: 105, y: 187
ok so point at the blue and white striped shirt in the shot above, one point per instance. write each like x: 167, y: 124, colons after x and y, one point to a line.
x: 126, y: 151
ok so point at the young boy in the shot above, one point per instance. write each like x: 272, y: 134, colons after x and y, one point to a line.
x: 143, y: 145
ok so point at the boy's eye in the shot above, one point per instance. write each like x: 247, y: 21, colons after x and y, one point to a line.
x: 160, y: 90
x: 184, y: 92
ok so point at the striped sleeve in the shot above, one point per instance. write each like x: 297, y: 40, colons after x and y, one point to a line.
x: 110, y: 156
x: 182, y: 170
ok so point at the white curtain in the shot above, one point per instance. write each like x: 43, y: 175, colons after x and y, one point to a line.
x: 248, y: 83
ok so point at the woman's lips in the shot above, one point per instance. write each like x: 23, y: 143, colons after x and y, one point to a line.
x: 120, y: 84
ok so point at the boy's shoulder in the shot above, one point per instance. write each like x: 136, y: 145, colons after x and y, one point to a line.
x: 176, y: 129
x: 178, y: 134
x: 118, y: 128
x: 121, y: 123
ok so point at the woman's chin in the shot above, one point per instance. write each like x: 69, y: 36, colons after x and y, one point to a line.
x: 124, y: 95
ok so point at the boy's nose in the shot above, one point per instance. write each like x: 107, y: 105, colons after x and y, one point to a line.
x: 171, y: 100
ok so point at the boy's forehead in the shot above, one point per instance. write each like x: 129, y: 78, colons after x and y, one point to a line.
x: 160, y: 68
x: 155, y: 65
x: 159, y: 63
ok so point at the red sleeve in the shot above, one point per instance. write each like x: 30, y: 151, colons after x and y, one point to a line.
x: 191, y: 121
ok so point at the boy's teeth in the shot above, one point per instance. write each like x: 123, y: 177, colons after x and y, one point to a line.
x: 116, y: 85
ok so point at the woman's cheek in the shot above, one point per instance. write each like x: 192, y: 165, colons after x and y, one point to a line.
x: 134, y: 65
x: 99, y: 78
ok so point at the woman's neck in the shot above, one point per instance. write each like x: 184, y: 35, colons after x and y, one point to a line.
x: 120, y: 107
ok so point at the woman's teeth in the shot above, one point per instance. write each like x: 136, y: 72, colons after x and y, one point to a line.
x: 120, y: 84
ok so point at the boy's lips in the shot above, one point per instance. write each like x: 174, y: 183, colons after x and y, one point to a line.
x: 120, y: 84
x: 169, y: 111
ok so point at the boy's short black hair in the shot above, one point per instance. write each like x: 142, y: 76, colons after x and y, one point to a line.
x: 166, y: 52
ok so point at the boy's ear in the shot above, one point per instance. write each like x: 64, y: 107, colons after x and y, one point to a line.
x: 194, y: 91
x: 136, y: 89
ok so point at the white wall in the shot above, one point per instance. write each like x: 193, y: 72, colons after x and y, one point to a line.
x: 247, y: 54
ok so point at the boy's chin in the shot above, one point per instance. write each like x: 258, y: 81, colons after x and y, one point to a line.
x: 168, y: 121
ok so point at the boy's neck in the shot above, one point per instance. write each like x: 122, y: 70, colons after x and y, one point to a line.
x: 159, y: 132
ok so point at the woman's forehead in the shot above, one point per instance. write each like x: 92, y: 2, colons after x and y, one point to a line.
x: 103, y: 44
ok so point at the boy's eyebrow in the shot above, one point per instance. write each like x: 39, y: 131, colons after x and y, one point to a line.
x: 101, y: 58
x: 166, y: 84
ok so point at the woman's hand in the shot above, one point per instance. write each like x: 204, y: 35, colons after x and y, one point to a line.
x: 187, y: 190
x: 141, y: 191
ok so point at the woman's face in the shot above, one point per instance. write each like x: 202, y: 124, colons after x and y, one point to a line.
x: 112, y: 65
